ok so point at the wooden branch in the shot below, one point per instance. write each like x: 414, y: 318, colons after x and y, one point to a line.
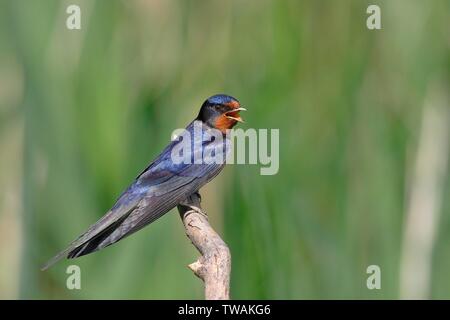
x: 214, y: 266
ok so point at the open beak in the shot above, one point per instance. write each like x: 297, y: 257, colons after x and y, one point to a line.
x: 234, y: 114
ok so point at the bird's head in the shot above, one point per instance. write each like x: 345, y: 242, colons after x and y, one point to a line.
x: 221, y: 112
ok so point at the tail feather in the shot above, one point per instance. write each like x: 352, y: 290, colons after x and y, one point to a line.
x: 90, y: 242
x: 94, y: 244
x: 56, y: 258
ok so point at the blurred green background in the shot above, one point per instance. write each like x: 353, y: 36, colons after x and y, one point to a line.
x: 363, y: 119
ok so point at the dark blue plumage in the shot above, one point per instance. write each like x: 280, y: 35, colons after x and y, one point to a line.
x: 164, y: 183
x: 220, y: 99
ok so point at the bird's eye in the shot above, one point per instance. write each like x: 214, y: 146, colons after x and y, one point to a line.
x: 222, y: 108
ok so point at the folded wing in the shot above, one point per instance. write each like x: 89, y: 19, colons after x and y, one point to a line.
x: 161, y: 187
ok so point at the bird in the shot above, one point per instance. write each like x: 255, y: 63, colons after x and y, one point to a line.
x: 164, y: 183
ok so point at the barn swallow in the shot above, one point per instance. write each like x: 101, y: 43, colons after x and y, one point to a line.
x: 162, y: 185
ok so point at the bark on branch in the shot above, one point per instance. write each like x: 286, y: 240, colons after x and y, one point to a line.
x: 214, y: 265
